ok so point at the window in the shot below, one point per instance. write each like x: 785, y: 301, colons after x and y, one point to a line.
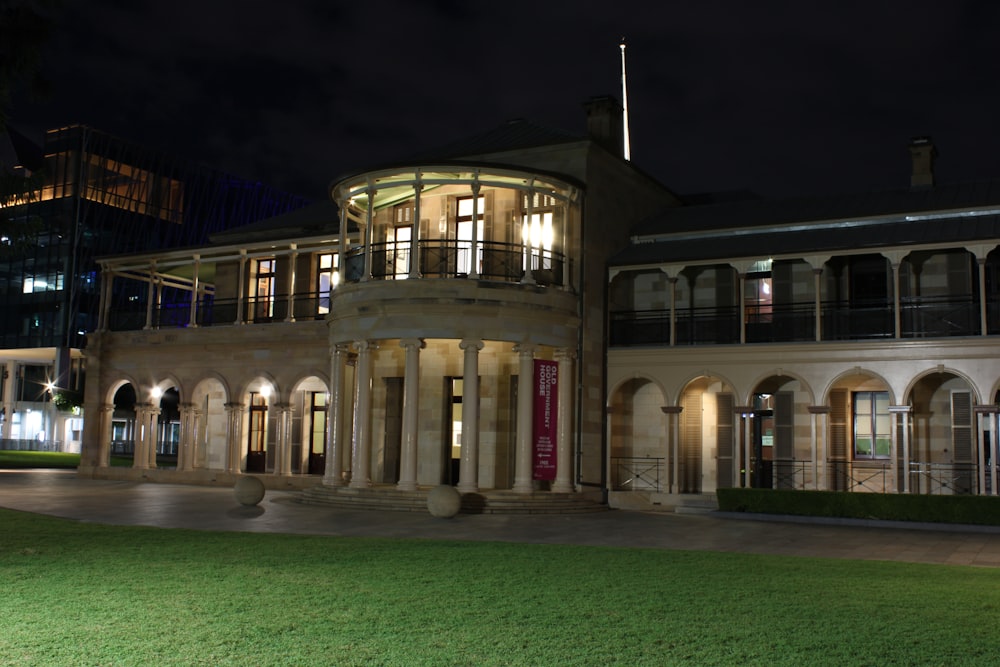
x: 263, y: 296
x: 537, y: 230
x: 758, y: 300
x: 327, y: 278
x: 464, y: 231
x: 872, y: 425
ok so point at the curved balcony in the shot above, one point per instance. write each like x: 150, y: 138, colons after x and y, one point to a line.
x: 503, y: 262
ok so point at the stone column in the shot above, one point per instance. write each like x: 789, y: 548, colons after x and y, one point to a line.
x: 234, y: 437
x: 9, y: 404
x: 986, y: 419
x: 283, y: 455
x: 468, y: 470
x: 293, y: 261
x: 525, y: 416
x: 334, y: 474
x: 818, y: 421
x: 186, y: 446
x: 361, y: 458
x: 743, y: 415
x: 983, y: 322
x: 415, y: 236
x: 193, y: 315
x: 151, y: 296
x: 411, y: 398
x: 673, y: 310
x: 903, y: 410
x: 104, y: 443
x: 474, y: 245
x: 741, y: 306
x: 241, y: 289
x: 564, y: 423
x: 818, y: 304
x: 144, y: 439
x: 672, y: 467
x: 896, y: 314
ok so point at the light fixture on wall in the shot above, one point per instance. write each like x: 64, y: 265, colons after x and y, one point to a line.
x: 265, y: 390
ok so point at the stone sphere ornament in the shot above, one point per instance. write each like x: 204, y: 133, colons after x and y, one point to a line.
x: 249, y: 491
x: 444, y: 501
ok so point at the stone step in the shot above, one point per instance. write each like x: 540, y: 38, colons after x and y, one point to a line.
x: 487, y: 502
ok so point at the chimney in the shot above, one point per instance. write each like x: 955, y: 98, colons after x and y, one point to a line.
x: 923, y: 153
x: 605, y: 125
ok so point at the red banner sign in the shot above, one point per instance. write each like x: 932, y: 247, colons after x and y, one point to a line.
x: 544, y: 432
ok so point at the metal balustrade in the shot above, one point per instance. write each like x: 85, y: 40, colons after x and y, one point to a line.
x: 943, y: 478
x: 630, y: 473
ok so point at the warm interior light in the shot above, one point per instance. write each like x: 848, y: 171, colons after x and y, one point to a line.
x: 265, y: 390
x: 156, y: 393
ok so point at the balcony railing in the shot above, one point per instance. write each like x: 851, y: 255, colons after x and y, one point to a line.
x: 211, y: 311
x: 925, y: 317
x: 504, y: 262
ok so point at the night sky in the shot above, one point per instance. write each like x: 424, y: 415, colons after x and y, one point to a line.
x: 779, y: 98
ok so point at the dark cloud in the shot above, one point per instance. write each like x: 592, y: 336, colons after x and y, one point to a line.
x: 778, y: 97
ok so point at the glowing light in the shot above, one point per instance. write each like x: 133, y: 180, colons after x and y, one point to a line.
x: 156, y: 393
x: 265, y: 390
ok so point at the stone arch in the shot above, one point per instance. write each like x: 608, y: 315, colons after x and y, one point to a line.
x: 942, y: 453
x: 309, y: 400
x: 708, y: 455
x: 778, y: 442
x: 637, y: 435
x: 260, y: 396
x: 861, y: 433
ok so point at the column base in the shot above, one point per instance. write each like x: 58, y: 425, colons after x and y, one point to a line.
x: 333, y: 481
x: 406, y: 486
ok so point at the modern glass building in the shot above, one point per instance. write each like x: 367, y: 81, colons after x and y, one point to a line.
x: 96, y: 195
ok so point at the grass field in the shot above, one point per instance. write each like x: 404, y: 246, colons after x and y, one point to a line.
x: 86, y: 594
x: 14, y: 459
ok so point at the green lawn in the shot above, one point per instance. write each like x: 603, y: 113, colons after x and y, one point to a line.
x: 86, y: 594
x: 13, y: 459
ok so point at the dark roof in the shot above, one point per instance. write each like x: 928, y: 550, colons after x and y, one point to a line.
x: 517, y: 134
x: 764, y: 228
x: 312, y: 220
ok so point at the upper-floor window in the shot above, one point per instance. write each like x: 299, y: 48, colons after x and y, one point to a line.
x: 263, y: 294
x: 327, y: 278
x: 537, y: 228
x: 463, y: 232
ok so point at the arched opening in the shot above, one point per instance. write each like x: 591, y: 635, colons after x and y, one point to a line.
x: 208, y: 401
x: 123, y: 426
x: 708, y: 455
x: 942, y: 448
x: 638, y: 437
x: 859, y: 452
x: 779, y: 457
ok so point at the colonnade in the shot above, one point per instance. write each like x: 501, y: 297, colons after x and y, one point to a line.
x: 358, y: 440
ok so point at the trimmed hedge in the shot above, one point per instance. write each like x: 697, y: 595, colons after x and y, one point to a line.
x: 975, y: 510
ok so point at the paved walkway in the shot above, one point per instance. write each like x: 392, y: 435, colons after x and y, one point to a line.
x: 60, y: 493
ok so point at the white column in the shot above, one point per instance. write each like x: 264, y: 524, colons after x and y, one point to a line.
x: 740, y: 309
x: 143, y: 438
x: 283, y: 455
x: 193, y: 316
x: 528, y: 278
x: 186, y: 446
x: 564, y: 423
x: 415, y: 236
x: 334, y: 475
x: 903, y: 410
x: 987, y: 420
x: 153, y: 430
x: 525, y: 416
x: 742, y: 416
x: 673, y: 310
x: 361, y: 456
x: 411, y: 399
x: 151, y: 295
x: 342, y: 248
x: 670, y: 467
x: 369, y: 237
x: 474, y: 245
x: 818, y: 303
x: 9, y: 404
x: 104, y: 446
x: 468, y: 469
x: 896, y: 314
x: 104, y: 302
x: 241, y: 288
x: 983, y: 322
x: 234, y: 437
x: 993, y: 454
x: 818, y: 421
x: 293, y: 261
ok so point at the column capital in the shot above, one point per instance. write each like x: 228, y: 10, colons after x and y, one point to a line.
x: 898, y: 409
x: 418, y: 343
x: 468, y: 344
x: 818, y: 409
x: 672, y: 409
x: 364, y: 345
x: 564, y: 354
x: 234, y: 407
x: 525, y: 349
